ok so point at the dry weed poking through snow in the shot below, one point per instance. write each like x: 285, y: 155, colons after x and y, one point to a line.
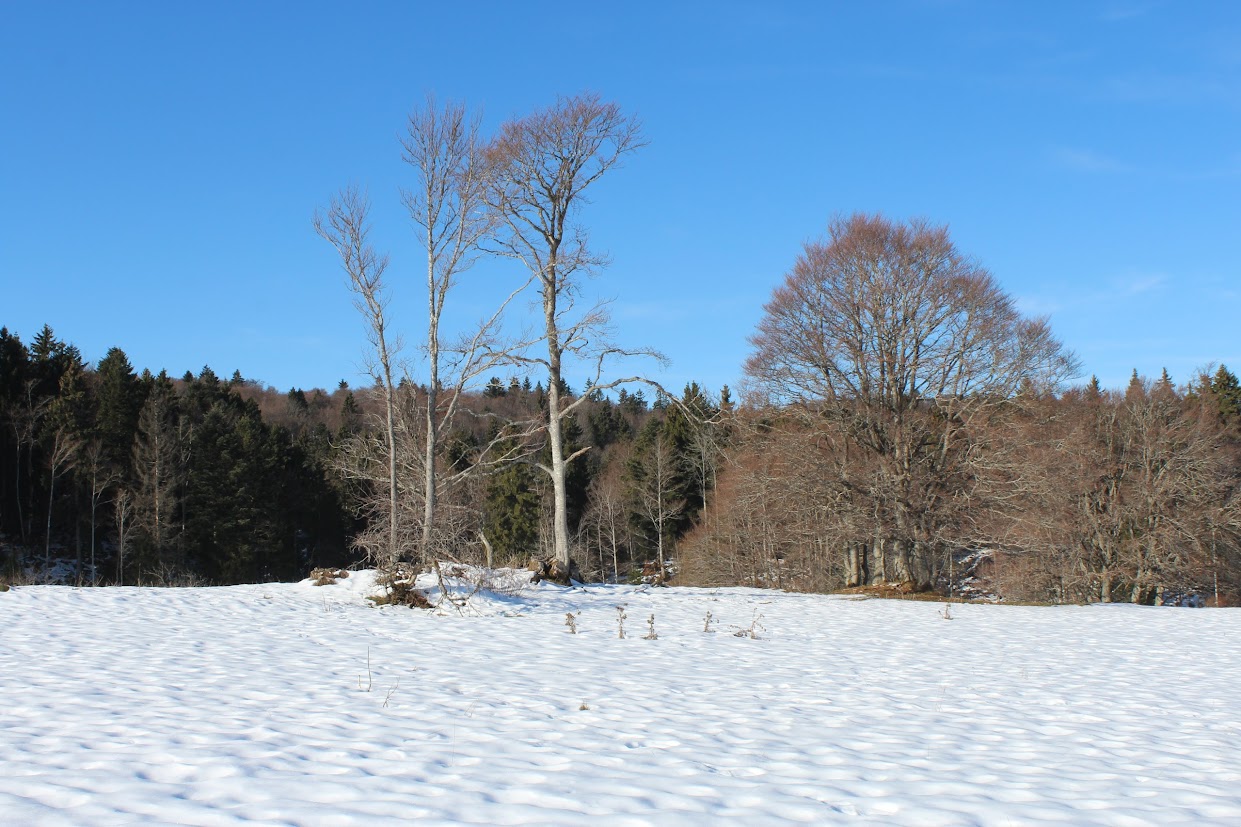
x: 218, y: 706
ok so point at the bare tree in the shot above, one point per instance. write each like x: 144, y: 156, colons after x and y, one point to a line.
x: 542, y: 165
x: 103, y: 475
x: 62, y: 457
x: 158, y: 471
x: 346, y: 226
x: 888, y: 330
x: 1165, y: 474
x: 780, y: 516
x: 25, y: 418
x: 654, y: 473
x: 123, y: 511
x: 1110, y: 496
x: 448, y: 204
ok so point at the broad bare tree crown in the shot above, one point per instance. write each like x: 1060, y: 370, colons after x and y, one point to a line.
x: 889, y: 313
x: 904, y: 344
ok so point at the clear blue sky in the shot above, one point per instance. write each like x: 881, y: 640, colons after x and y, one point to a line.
x: 160, y: 164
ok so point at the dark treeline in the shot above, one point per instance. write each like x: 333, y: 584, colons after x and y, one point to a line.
x: 146, y: 479
x: 140, y: 478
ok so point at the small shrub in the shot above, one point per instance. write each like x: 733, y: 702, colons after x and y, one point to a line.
x: 400, y: 589
x: 326, y: 577
x: 170, y: 577
x: 403, y: 593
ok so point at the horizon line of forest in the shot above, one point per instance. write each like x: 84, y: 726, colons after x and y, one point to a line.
x: 139, y: 478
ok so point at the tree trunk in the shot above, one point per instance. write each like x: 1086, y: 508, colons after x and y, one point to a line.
x: 487, y: 550
x: 428, y: 503
x: 17, y: 491
x: 433, y: 388
x: 51, y: 497
x: 555, y: 436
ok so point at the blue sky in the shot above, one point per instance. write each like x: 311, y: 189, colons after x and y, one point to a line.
x: 160, y: 164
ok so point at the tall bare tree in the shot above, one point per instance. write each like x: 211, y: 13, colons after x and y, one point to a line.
x: 158, y: 471
x: 101, y: 475
x: 346, y: 226
x: 654, y: 473
x: 25, y: 418
x: 123, y: 512
x: 448, y: 203
x: 906, y: 343
x: 608, y: 516
x: 62, y: 457
x: 542, y: 166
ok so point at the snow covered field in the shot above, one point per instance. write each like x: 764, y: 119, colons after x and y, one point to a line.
x: 253, y: 705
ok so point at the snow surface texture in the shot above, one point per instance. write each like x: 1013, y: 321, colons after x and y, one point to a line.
x: 253, y: 705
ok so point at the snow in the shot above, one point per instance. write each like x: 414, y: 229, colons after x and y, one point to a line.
x: 256, y: 705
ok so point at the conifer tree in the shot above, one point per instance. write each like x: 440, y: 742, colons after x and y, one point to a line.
x: 49, y: 359
x: 1093, y: 391
x: 350, y: 416
x: 18, y: 425
x: 1226, y: 391
x: 119, y: 402
x: 494, y: 388
x: 511, y: 509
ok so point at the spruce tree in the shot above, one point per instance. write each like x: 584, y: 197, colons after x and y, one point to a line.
x: 49, y: 359
x: 494, y: 388
x: 350, y: 417
x: 119, y: 401
x: 513, y: 504
x: 1093, y: 391
x: 1227, y: 394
